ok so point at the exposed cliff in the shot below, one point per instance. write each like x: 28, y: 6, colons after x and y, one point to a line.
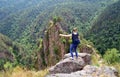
x: 53, y: 47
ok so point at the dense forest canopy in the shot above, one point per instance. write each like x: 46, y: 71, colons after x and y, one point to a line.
x: 25, y: 20
x: 105, y: 32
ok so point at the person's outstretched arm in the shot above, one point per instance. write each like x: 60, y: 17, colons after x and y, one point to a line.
x: 69, y: 35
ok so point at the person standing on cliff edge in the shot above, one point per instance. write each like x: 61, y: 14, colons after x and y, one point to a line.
x: 75, y: 41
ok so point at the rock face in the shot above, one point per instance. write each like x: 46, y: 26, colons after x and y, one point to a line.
x: 53, y: 49
x: 86, y: 57
x: 90, y: 71
x: 86, y: 49
x: 6, y: 55
x: 67, y: 65
x: 79, y: 68
x: 51, y: 43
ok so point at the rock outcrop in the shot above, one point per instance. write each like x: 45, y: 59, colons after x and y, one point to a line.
x: 85, y: 56
x: 80, y: 67
x: 52, y: 47
x: 90, y: 71
x: 68, y: 65
x: 86, y: 49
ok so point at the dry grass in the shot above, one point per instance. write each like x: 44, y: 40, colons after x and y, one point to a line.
x: 19, y: 72
x: 117, y: 66
x: 95, y: 60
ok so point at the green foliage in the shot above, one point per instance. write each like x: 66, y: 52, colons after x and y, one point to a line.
x: 56, y: 19
x: 105, y: 32
x: 86, y: 42
x: 12, y: 54
x: 63, y: 40
x: 112, y: 56
x: 70, y: 41
x: 6, y: 50
x: 26, y: 24
x: 5, y: 43
x: 8, y: 65
x: 2, y: 62
x: 95, y: 60
x: 56, y: 50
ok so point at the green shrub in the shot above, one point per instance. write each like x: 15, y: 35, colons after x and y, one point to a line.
x: 56, y: 50
x: 2, y: 62
x: 56, y: 19
x: 112, y: 56
x: 8, y: 65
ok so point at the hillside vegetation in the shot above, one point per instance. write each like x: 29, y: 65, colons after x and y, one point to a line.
x: 105, y: 32
x: 13, y: 54
x: 7, y: 47
x: 24, y: 21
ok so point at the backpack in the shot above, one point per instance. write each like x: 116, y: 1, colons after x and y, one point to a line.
x: 75, y: 39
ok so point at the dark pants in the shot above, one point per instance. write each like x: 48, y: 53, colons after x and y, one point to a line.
x: 73, y: 47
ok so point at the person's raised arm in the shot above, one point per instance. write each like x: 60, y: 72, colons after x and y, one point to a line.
x: 69, y: 35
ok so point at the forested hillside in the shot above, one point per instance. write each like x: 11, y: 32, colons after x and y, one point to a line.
x: 13, y: 54
x: 24, y: 21
x: 105, y: 32
x: 8, y: 50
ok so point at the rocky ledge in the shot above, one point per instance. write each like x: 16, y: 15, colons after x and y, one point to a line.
x: 80, y: 67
